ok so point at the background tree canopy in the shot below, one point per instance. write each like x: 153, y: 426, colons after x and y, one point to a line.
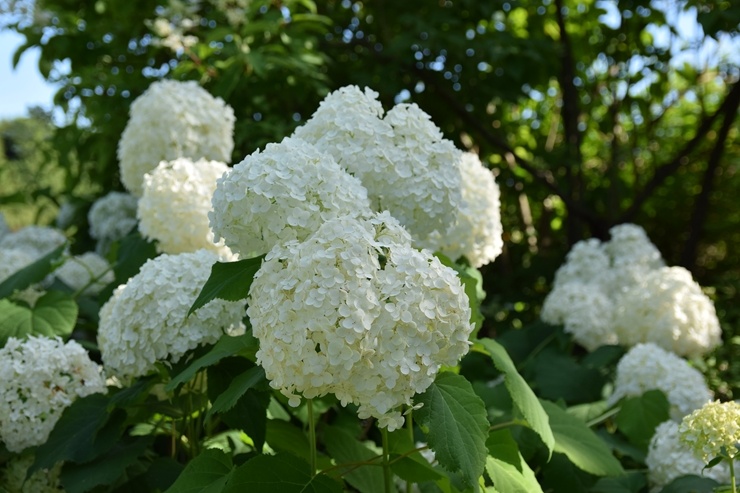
x: 584, y: 119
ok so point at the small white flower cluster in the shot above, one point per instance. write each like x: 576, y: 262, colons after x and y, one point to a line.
x: 639, y: 299
x: 355, y: 311
x: 89, y: 271
x: 145, y: 321
x: 650, y: 367
x: 39, y: 378
x: 410, y: 170
x: 173, y: 119
x: 281, y: 194
x: 112, y: 217
x: 668, y: 458
x: 175, y: 205
x: 14, y: 479
x: 36, y: 241
x: 713, y: 430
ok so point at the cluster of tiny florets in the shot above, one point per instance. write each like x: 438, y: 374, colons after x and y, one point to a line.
x: 174, y: 206
x: 281, y: 194
x: 37, y: 241
x: 112, y: 217
x: 88, y: 272
x: 39, y: 378
x: 173, y: 119
x: 649, y: 367
x: 713, y: 430
x: 145, y: 321
x: 355, y: 311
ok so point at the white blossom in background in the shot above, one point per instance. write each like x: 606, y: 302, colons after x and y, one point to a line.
x: 649, y: 367
x: 281, y: 194
x: 13, y: 478
x: 668, y: 308
x: 477, y: 231
x: 234, y: 10
x: 586, y: 263
x: 145, y: 321
x: 37, y: 241
x: 173, y: 119
x: 632, y: 256
x: 174, y: 206
x: 39, y: 378
x: 668, y: 458
x: 355, y: 311
x: 89, y: 271
x: 172, y: 35
x: 112, y: 217
x: 584, y: 311
x: 12, y: 260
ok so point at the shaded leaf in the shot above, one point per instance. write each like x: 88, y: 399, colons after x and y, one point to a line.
x: 228, y: 281
x: 32, y: 273
x: 281, y: 473
x: 506, y: 467
x: 345, y: 448
x: 207, y: 473
x: 632, y: 482
x: 236, y: 389
x: 639, y: 416
x: 690, y: 484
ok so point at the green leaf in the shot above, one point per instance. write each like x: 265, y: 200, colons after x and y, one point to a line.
x: 32, y: 273
x: 520, y: 392
x: 228, y: 281
x: 456, y: 419
x: 226, y: 346
x: 281, y: 473
x: 690, y: 484
x: 283, y: 436
x: 558, y: 376
x: 506, y: 467
x: 207, y: 473
x: 639, y: 416
x: 132, y: 252
x: 632, y: 482
x: 411, y: 467
x: 345, y: 448
x: 237, y: 389
x: 582, y: 446
x: 54, y: 314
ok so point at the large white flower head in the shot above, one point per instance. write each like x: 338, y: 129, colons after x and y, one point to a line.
x: 713, y: 430
x: 632, y: 256
x: 12, y: 260
x: 477, y: 231
x: 89, y: 271
x: 669, y: 309
x: 112, y: 216
x: 146, y: 321
x: 14, y: 479
x: 586, y: 263
x: 585, y: 312
x: 39, y: 378
x: 173, y: 119
x: 281, y: 194
x: 668, y: 458
x: 37, y: 241
x: 175, y: 204
x: 356, y: 311
x: 649, y: 367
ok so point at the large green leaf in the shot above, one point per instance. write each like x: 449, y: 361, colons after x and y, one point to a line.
x: 506, y: 467
x: 284, y: 436
x: 457, y: 425
x: 236, y: 389
x: 632, y: 482
x: 226, y: 346
x: 581, y: 445
x: 32, y: 273
x: 520, y: 392
x: 639, y: 416
x: 228, y: 281
x: 207, y: 473
x: 130, y: 253
x: 281, y: 473
x: 54, y: 314
x: 345, y: 448
x: 690, y: 484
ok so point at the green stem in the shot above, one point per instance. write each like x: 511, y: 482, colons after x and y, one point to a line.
x: 732, y: 474
x: 410, y: 428
x: 386, y: 461
x: 311, y: 435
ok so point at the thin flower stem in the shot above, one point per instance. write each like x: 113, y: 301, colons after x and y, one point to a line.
x: 386, y: 461
x: 311, y: 435
x: 410, y: 427
x: 732, y: 474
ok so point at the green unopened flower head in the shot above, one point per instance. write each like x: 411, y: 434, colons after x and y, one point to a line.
x: 713, y: 430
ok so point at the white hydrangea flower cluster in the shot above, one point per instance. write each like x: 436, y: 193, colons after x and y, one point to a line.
x: 355, y: 311
x: 37, y: 241
x: 12, y: 260
x: 669, y: 309
x: 650, y: 367
x: 668, y: 459
x: 402, y: 159
x: 281, y: 194
x: 477, y: 231
x: 112, y: 217
x: 14, y: 479
x: 173, y: 119
x: 648, y: 302
x: 39, y: 378
x: 175, y: 204
x: 145, y: 321
x: 713, y: 430
x: 89, y: 271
